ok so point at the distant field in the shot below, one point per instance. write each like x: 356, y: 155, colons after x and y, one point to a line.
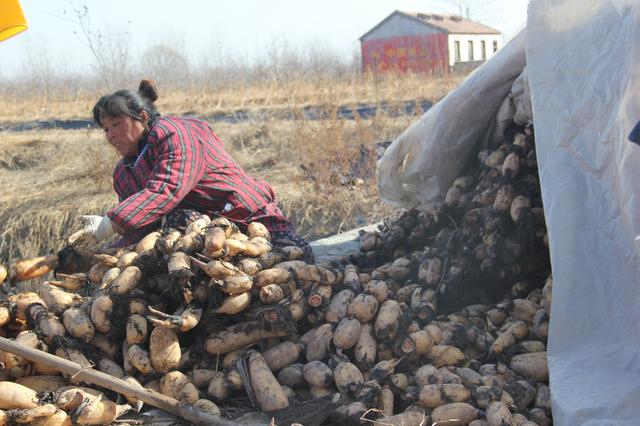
x: 323, y: 171
x: 18, y: 106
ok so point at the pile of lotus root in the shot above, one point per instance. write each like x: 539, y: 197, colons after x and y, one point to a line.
x: 442, y: 316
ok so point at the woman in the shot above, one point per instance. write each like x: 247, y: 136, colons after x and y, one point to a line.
x: 173, y: 170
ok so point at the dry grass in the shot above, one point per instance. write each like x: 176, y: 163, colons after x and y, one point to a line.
x: 204, y: 99
x: 323, y: 171
x: 53, y: 177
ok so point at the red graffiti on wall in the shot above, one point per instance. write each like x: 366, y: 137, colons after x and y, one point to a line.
x: 423, y: 53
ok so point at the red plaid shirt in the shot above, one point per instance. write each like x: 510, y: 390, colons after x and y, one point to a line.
x: 183, y: 164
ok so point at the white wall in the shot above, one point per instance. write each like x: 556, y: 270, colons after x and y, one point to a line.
x: 477, y: 39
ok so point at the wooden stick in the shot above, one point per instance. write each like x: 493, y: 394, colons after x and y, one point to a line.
x: 99, y: 378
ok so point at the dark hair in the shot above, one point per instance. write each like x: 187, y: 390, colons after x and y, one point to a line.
x: 128, y: 103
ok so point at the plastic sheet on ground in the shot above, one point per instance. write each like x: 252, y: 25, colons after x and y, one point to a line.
x: 340, y: 245
x: 583, y: 61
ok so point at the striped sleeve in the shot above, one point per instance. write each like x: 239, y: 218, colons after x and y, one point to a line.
x: 178, y: 168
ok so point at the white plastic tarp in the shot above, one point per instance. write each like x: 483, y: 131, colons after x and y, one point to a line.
x: 583, y: 61
x: 423, y: 161
x: 583, y: 68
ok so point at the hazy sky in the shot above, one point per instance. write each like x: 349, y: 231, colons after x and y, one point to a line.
x: 241, y: 29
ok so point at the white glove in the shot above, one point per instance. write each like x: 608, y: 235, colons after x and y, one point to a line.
x: 97, y: 228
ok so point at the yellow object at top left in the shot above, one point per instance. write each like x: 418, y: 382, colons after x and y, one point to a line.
x: 12, y: 19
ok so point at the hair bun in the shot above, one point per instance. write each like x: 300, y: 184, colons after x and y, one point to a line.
x: 148, y: 90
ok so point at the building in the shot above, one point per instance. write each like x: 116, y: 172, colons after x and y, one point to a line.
x: 427, y: 42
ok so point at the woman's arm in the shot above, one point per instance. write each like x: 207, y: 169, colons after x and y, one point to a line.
x: 179, y: 167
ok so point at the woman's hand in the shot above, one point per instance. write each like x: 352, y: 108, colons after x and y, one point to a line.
x: 96, y: 229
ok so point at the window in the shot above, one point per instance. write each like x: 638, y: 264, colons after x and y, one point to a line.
x: 495, y: 46
x: 483, y: 49
x: 456, y: 45
x: 471, y: 50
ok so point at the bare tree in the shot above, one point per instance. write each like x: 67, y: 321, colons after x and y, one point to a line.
x: 283, y: 60
x: 111, y: 52
x: 322, y: 61
x: 215, y: 63
x: 470, y: 9
x: 163, y: 63
x: 40, y: 73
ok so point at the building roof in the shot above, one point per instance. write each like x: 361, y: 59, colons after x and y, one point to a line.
x: 451, y: 24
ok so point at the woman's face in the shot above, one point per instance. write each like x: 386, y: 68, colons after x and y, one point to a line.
x: 123, y: 133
